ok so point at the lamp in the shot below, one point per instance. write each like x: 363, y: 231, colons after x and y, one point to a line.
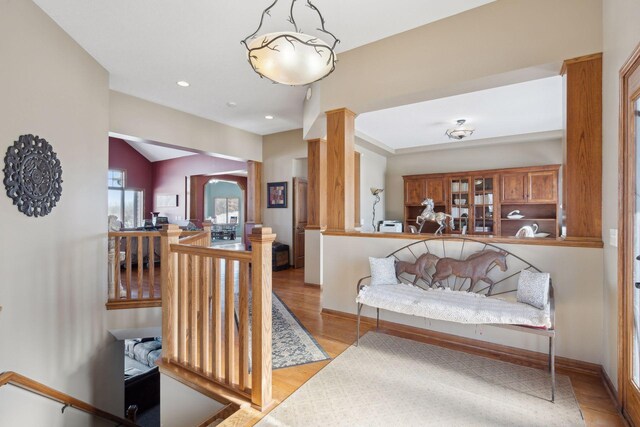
x: 376, y: 193
x: 291, y: 57
x: 460, y: 131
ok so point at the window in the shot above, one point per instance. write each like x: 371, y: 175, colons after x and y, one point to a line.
x: 226, y: 210
x: 125, y: 203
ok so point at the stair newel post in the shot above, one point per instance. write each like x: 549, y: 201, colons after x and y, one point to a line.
x: 261, y: 240
x: 207, y: 226
x: 169, y: 235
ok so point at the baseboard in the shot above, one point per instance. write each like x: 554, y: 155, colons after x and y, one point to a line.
x: 613, y: 393
x: 482, y: 348
x: 312, y: 285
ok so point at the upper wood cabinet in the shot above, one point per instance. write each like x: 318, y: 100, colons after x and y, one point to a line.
x: 514, y: 187
x: 530, y: 187
x: 414, y: 191
x: 543, y: 187
x: 435, y: 190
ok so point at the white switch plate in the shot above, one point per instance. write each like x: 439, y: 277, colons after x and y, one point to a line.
x: 613, y: 237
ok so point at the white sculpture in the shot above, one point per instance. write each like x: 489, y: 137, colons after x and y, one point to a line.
x: 438, y: 217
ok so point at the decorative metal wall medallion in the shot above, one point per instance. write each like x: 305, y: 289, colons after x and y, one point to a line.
x: 33, y: 175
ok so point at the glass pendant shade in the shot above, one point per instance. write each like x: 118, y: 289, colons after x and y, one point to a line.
x: 291, y: 58
x: 460, y: 131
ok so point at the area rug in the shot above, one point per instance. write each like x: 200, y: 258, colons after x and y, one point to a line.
x: 391, y: 381
x: 292, y: 344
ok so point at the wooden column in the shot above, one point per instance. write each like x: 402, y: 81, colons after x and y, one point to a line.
x: 340, y: 165
x: 582, y: 184
x: 356, y: 189
x: 317, y: 179
x: 261, y: 240
x: 169, y: 235
x: 254, y: 192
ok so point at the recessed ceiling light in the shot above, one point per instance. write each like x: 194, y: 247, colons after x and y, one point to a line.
x: 182, y: 83
x: 268, y: 117
x: 231, y: 104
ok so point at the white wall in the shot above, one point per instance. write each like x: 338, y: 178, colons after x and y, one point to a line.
x: 280, y: 155
x: 53, y: 323
x: 621, y: 36
x: 373, y: 168
x: 504, y: 155
x: 183, y: 406
x: 576, y: 275
x: 135, y: 117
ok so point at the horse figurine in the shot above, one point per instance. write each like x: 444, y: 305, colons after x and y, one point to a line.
x: 476, y: 267
x: 418, y: 268
x: 438, y: 217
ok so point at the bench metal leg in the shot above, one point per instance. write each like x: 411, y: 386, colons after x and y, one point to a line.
x: 552, y: 367
x: 377, y: 318
x: 358, y: 327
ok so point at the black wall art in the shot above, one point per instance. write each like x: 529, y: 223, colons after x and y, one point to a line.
x: 33, y: 175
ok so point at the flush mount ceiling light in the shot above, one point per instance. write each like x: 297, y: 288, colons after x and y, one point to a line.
x: 182, y: 83
x: 291, y: 57
x: 460, y: 131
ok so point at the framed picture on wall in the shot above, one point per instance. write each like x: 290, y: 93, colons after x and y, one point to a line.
x: 277, y: 195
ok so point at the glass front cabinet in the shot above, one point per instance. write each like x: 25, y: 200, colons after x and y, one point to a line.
x: 459, y: 202
x: 484, y: 193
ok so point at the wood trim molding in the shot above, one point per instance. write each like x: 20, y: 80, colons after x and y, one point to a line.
x: 254, y: 192
x: 482, y: 348
x: 356, y: 189
x: 317, y: 180
x: 568, y: 242
x: 33, y: 386
x: 626, y: 182
x: 127, y: 304
x: 484, y: 172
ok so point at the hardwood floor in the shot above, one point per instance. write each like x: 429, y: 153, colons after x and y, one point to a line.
x: 335, y: 334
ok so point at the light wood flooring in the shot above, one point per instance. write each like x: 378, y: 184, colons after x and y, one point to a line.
x: 335, y: 334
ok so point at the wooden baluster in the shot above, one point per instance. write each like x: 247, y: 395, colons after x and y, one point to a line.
x: 196, y: 313
x: 152, y: 267
x: 243, y: 326
x: 185, y: 312
x: 229, y: 322
x: 216, y: 318
x: 114, y: 293
x: 206, y: 227
x: 140, y: 258
x: 206, y: 360
x: 261, y: 240
x: 169, y: 284
x: 128, y: 267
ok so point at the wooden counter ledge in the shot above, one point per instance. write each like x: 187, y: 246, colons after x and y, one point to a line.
x: 576, y: 242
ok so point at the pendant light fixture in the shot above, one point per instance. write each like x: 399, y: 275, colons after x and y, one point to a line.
x: 291, y: 57
x: 460, y: 131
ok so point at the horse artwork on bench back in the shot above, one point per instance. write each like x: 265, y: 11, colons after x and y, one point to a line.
x: 476, y: 268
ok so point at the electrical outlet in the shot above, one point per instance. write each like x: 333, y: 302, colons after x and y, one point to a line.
x: 613, y: 237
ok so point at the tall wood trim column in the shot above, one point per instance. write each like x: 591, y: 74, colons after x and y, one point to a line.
x: 317, y: 179
x: 254, y: 192
x: 340, y: 165
x: 582, y: 184
x: 356, y: 189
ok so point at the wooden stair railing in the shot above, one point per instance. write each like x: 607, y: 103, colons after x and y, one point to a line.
x: 137, y: 287
x: 20, y: 381
x: 199, y: 314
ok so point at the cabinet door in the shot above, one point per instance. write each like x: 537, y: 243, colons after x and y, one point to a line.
x: 435, y: 190
x: 543, y: 186
x: 514, y: 188
x: 414, y: 191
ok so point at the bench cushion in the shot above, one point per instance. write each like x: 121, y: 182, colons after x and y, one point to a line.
x: 453, y: 306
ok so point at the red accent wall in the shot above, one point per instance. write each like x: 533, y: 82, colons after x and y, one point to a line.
x: 169, y: 178
x: 138, y: 170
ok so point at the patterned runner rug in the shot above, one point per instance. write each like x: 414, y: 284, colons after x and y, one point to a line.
x: 292, y: 344
x: 391, y: 381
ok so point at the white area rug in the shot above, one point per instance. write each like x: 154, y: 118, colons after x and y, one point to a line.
x: 390, y: 381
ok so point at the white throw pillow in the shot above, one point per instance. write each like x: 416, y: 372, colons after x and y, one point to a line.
x: 383, y: 271
x: 533, y: 288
